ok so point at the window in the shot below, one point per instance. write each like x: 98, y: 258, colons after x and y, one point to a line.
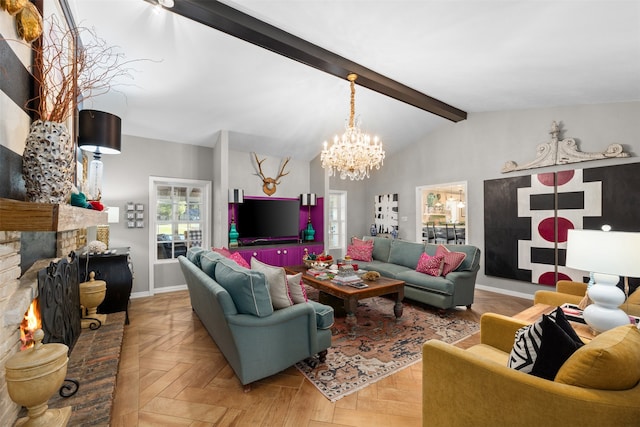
x: 181, y: 212
x: 338, y: 220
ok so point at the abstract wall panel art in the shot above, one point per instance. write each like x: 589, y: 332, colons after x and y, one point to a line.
x: 527, y: 218
x: 386, y: 212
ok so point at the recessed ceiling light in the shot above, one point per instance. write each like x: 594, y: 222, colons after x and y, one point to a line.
x: 166, y: 3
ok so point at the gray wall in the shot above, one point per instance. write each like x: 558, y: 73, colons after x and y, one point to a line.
x: 475, y: 150
x: 126, y: 179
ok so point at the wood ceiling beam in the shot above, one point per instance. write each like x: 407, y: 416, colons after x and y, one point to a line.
x: 238, y: 24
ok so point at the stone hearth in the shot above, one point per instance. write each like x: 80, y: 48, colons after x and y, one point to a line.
x: 17, y: 291
x: 94, y: 363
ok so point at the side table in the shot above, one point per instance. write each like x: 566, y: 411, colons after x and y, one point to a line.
x: 115, y: 269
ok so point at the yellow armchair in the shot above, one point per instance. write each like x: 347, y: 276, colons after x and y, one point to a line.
x: 475, y: 387
x: 573, y: 292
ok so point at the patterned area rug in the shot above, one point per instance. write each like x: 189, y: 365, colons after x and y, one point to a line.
x: 380, y: 344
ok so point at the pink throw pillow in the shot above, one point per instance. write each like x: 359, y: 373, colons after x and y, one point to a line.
x: 359, y: 242
x: 222, y: 251
x: 360, y: 253
x: 431, y: 265
x: 452, y: 260
x: 239, y: 260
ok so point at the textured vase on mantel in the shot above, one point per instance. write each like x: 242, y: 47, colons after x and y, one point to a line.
x: 48, y: 163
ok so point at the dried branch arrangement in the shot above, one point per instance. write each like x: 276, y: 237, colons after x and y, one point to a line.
x: 65, y: 77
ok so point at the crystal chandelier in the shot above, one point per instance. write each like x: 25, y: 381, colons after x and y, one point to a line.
x: 353, y: 155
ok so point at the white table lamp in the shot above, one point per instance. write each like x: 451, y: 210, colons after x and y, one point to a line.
x: 609, y: 255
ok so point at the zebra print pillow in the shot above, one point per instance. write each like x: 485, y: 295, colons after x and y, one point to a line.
x: 528, y: 341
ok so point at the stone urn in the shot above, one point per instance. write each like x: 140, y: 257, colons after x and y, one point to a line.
x: 32, y: 376
x: 48, y: 163
x: 92, y: 294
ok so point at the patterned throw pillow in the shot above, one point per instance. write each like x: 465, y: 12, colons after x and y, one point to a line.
x: 297, y: 291
x: 360, y: 253
x: 431, y: 265
x: 452, y: 260
x: 222, y: 251
x: 359, y: 242
x: 276, y: 281
x: 529, y: 340
x: 238, y: 258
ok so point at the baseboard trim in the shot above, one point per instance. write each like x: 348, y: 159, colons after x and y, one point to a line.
x: 159, y: 291
x: 505, y: 291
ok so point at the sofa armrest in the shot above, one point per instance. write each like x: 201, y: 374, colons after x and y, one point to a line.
x: 460, y: 388
x: 571, y: 288
x: 278, y: 317
x: 499, y: 331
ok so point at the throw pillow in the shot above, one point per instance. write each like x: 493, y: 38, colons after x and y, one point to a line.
x: 525, y: 347
x: 359, y: 242
x: 556, y: 347
x: 452, y: 260
x: 277, y: 282
x: 239, y: 260
x: 194, y: 253
x: 611, y: 361
x: 222, y: 251
x: 248, y: 289
x: 297, y: 291
x: 529, y: 339
x: 360, y: 253
x: 431, y: 265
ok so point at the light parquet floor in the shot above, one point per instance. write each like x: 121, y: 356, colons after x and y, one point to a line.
x: 172, y: 374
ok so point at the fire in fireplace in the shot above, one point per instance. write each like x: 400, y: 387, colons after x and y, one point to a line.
x: 56, y: 310
x: 29, y: 325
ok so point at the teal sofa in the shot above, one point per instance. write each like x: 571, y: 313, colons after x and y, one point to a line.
x: 397, y: 259
x: 260, y: 344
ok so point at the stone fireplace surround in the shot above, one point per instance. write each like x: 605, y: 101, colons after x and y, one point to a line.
x: 17, y: 290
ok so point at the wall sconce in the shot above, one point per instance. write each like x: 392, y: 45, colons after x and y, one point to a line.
x: 236, y: 196
x: 99, y: 133
x: 308, y: 199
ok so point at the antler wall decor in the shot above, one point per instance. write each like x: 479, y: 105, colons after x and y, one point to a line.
x: 269, y: 184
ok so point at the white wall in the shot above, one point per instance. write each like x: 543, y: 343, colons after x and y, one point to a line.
x: 475, y: 150
x: 243, y: 173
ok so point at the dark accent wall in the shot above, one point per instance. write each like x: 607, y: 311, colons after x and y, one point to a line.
x: 17, y: 84
x: 15, y: 79
x: 11, y: 181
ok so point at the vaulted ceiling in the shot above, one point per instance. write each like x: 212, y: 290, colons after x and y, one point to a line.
x: 476, y: 56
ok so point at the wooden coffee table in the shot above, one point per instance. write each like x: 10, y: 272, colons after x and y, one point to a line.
x: 351, y: 295
x: 533, y: 314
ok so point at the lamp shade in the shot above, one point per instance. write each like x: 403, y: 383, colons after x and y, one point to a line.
x: 99, y: 132
x: 236, y: 195
x: 606, y: 252
x: 308, y: 199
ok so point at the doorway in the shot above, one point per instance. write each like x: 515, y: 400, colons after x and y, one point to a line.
x: 442, y: 205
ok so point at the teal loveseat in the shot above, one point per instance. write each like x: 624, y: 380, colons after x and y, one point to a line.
x: 397, y: 259
x: 260, y: 344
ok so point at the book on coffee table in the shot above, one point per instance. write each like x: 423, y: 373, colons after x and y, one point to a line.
x: 343, y: 280
x: 572, y: 312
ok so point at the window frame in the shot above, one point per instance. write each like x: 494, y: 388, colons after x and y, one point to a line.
x: 175, y: 222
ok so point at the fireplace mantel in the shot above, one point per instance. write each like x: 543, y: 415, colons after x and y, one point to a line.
x: 16, y: 215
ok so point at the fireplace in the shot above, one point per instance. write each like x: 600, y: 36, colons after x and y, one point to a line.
x: 18, y: 290
x: 59, y: 302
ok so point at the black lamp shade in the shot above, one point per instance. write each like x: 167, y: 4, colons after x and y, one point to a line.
x: 308, y: 199
x: 99, y: 132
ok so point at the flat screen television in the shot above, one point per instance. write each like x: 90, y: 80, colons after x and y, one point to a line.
x: 261, y: 221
